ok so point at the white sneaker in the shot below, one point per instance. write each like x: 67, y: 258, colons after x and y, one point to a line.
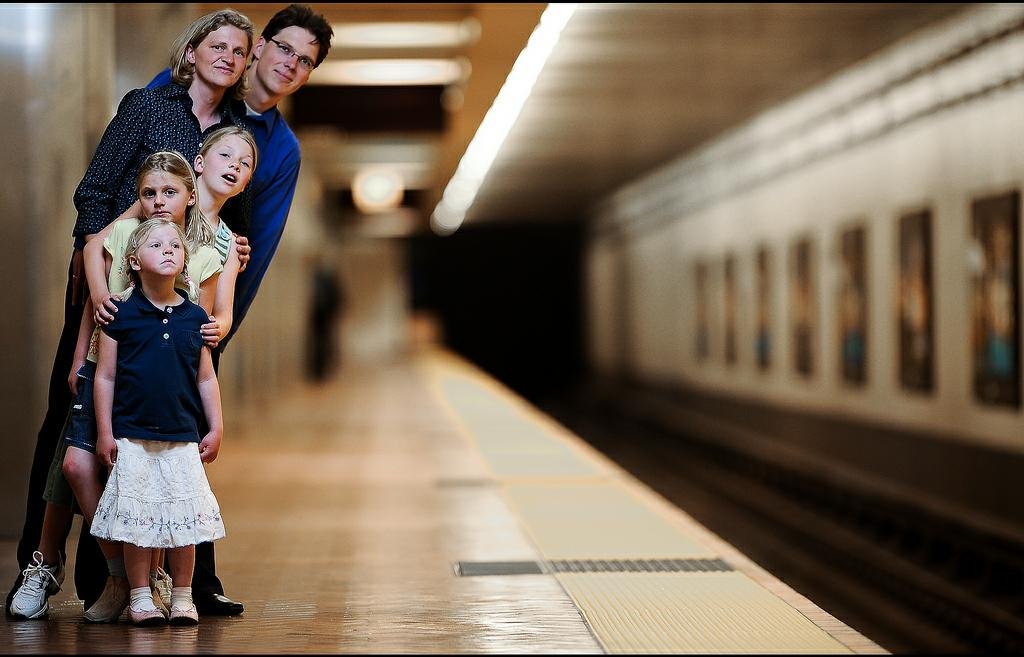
x: 41, y: 581
x: 160, y: 583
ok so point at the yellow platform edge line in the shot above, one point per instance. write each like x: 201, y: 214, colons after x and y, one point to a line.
x: 439, y: 363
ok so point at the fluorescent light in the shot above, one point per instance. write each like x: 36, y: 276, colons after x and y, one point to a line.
x: 390, y: 72
x: 461, y: 191
x: 406, y: 35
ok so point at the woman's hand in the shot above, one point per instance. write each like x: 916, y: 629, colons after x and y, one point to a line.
x: 243, y: 248
x: 105, y: 308
x: 211, y: 333
x: 106, y: 450
x: 209, y: 447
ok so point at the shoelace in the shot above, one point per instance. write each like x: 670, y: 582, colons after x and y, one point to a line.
x: 37, y: 572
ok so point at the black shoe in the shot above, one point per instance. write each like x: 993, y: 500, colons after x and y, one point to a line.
x: 215, y: 604
x: 10, y: 596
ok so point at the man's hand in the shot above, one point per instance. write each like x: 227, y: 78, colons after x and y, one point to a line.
x: 243, y: 248
x: 211, y: 333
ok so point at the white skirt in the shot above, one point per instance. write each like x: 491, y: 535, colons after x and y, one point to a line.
x: 157, y: 496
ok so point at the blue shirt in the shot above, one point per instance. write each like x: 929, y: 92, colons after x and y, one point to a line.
x: 272, y: 189
x: 156, y: 394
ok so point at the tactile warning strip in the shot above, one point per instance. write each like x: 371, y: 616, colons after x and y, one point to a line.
x: 692, y: 613
x: 482, y: 568
x: 514, y: 445
x: 585, y: 516
x: 639, y: 566
x: 598, y: 520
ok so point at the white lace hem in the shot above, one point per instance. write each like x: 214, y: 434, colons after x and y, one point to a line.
x: 158, y: 496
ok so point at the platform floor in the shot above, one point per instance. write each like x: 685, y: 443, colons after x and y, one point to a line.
x: 421, y: 507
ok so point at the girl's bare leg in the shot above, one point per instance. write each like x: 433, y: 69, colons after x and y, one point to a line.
x: 136, y: 562
x: 82, y: 471
x: 183, y: 609
x: 158, y: 559
x: 56, y: 526
x: 142, y: 611
x: 182, y: 561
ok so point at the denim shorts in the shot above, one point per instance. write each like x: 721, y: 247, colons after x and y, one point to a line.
x: 79, y: 430
x: 81, y: 427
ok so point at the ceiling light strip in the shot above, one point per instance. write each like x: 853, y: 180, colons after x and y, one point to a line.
x: 391, y: 72
x: 461, y: 191
x: 450, y: 34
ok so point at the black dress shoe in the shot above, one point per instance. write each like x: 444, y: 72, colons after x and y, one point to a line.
x: 215, y: 604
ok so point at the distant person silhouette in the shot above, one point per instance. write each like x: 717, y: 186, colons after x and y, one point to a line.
x: 327, y: 302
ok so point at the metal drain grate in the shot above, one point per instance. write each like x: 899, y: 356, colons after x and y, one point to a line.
x: 480, y: 568
x: 483, y: 568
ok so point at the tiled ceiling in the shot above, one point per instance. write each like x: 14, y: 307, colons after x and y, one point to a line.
x: 628, y: 88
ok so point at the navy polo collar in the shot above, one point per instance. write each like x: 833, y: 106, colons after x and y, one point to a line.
x: 146, y: 306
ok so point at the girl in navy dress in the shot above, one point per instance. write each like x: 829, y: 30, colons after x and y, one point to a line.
x: 155, y: 385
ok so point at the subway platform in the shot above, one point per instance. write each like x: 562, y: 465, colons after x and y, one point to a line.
x: 422, y: 507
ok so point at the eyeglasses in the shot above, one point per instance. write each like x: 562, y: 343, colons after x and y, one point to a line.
x: 288, y: 51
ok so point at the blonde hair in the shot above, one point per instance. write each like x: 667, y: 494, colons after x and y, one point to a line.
x: 227, y: 131
x: 198, y: 230
x: 135, y: 242
x: 182, y: 72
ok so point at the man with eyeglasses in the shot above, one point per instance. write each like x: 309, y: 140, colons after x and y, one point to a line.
x: 294, y: 42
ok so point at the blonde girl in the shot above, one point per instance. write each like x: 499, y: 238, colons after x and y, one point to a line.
x: 158, y: 418
x: 224, y: 166
x: 166, y: 188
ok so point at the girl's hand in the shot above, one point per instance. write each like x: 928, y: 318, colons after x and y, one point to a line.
x: 73, y: 376
x: 211, y: 333
x: 243, y: 248
x: 105, y: 308
x: 209, y: 447
x: 106, y: 450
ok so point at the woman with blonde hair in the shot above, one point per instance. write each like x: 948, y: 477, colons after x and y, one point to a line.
x: 183, y: 52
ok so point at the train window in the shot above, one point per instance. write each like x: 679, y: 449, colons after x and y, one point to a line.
x: 730, y: 309
x: 763, y: 346
x: 994, y: 265
x: 703, y: 333
x: 853, y: 306
x: 916, y: 330
x: 803, y: 307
